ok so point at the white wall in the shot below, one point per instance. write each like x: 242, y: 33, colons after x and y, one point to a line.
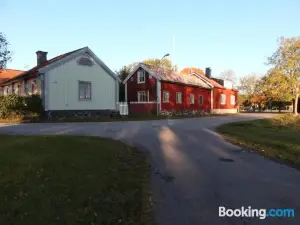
x: 62, y: 87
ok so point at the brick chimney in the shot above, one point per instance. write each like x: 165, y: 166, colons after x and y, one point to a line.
x: 41, y: 57
x: 208, y: 72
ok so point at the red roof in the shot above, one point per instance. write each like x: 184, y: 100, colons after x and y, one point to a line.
x: 6, y: 74
x: 169, y: 75
x: 36, y: 68
x: 188, y: 71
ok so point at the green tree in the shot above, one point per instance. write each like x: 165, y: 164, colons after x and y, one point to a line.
x: 5, y: 54
x: 284, y: 76
x: 122, y: 74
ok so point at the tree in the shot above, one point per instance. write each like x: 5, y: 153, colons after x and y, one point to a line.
x: 122, y: 74
x: 165, y: 63
x: 5, y: 54
x: 248, y: 84
x: 284, y: 76
x: 229, y: 75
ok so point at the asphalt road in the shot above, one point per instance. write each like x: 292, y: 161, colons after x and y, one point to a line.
x: 194, y: 171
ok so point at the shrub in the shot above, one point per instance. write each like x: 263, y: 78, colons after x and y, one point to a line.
x: 287, y: 120
x: 13, y: 105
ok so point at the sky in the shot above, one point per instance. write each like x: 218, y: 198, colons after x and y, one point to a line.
x: 223, y: 35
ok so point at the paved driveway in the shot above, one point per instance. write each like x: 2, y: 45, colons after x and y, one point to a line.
x: 194, y: 169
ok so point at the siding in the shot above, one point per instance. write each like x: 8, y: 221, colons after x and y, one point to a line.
x: 217, y: 98
x: 62, y: 87
x: 186, y: 91
x: 133, y: 87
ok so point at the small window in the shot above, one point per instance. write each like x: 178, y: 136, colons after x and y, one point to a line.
x: 200, y: 100
x: 192, y: 99
x: 84, y: 61
x: 142, y: 96
x: 178, y: 97
x: 150, y: 77
x: 166, y: 97
x: 33, y: 87
x: 141, y: 76
x: 223, y: 99
x: 232, y: 99
x: 85, y: 90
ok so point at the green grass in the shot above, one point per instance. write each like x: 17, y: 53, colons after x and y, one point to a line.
x: 72, y: 180
x: 277, y: 138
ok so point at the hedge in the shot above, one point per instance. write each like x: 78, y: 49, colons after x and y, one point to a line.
x: 14, y: 105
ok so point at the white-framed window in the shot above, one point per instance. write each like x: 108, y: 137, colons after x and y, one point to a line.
x: 85, y: 90
x: 178, y: 97
x: 142, y: 96
x: 141, y: 76
x: 166, y: 97
x: 232, y: 99
x: 192, y: 99
x: 200, y: 100
x: 223, y: 99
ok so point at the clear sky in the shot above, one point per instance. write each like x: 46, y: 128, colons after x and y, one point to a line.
x: 237, y: 35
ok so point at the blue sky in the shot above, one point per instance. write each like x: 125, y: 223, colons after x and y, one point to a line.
x: 237, y: 35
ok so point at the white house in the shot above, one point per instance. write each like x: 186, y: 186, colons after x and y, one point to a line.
x: 72, y: 83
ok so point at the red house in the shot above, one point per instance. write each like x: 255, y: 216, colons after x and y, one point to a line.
x: 153, y: 89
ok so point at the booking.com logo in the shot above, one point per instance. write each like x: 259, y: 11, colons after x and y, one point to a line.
x: 260, y: 213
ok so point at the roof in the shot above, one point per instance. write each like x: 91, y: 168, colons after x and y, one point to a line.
x: 200, y: 73
x: 36, y: 68
x: 169, y: 75
x: 6, y: 74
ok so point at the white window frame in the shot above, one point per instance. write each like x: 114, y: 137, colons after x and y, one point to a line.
x: 87, y: 91
x: 200, y: 97
x: 223, y: 99
x: 232, y: 99
x: 140, y: 98
x: 141, y: 74
x: 178, y: 100
x: 166, y: 96
x: 192, y: 98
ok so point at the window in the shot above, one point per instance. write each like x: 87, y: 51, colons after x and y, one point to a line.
x: 178, y: 97
x: 142, y: 97
x: 200, y: 100
x: 232, y: 99
x: 19, y: 88
x: 223, y: 99
x: 33, y: 87
x: 166, y: 97
x: 192, y: 99
x: 84, y: 61
x: 141, y: 76
x: 85, y: 90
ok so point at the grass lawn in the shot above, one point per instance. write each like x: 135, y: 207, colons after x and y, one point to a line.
x: 72, y: 180
x: 278, y: 138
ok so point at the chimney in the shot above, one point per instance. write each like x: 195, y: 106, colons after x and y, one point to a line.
x: 208, y: 72
x: 41, y: 57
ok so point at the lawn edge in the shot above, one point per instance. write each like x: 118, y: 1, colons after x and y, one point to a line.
x: 255, y: 148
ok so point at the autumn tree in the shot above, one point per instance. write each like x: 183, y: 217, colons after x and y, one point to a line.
x: 165, y: 63
x: 284, y: 78
x: 5, y: 54
x: 229, y: 75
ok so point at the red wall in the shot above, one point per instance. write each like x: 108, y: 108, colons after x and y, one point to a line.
x: 143, y: 108
x: 185, y: 90
x: 228, y: 93
x: 133, y: 87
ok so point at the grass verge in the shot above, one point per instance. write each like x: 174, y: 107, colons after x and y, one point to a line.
x: 72, y: 180
x: 277, y: 138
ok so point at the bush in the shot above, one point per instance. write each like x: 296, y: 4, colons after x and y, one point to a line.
x: 287, y: 120
x: 13, y: 105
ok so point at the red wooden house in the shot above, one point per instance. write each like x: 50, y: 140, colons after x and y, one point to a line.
x: 153, y: 89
